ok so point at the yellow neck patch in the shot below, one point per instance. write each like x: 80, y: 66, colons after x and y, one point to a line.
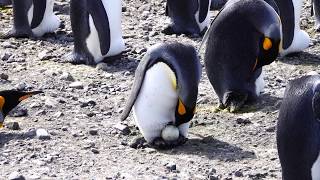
x: 267, y: 44
x: 181, y: 108
x: 2, y: 101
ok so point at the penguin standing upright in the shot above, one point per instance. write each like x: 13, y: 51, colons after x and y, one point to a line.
x: 298, y: 129
x: 164, y: 93
x: 189, y: 17
x: 293, y: 38
x: 316, y: 12
x: 9, y: 99
x: 96, y: 27
x: 243, y: 37
x: 32, y: 18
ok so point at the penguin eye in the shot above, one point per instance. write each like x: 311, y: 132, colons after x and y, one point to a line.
x: 267, y: 43
x: 2, y: 101
x: 181, y: 108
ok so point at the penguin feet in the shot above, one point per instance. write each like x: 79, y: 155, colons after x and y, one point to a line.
x: 168, y: 30
x: 77, y: 58
x: 233, y: 101
x: 17, y: 34
x: 160, y: 143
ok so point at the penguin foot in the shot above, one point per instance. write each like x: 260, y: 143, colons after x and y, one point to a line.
x: 160, y: 143
x: 76, y: 58
x: 168, y: 30
x: 233, y: 101
x: 16, y: 34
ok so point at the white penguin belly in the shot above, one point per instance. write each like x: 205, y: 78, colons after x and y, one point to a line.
x: 315, y: 171
x: 260, y: 83
x: 205, y: 23
x: 156, y: 103
x: 49, y: 23
x: 301, y: 39
x: 93, y: 42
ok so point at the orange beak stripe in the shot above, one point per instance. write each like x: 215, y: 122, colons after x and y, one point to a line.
x: 2, y: 101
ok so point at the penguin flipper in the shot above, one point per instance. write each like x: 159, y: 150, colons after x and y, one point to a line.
x: 316, y: 102
x: 140, y: 73
x: 203, y: 10
x: 39, y: 8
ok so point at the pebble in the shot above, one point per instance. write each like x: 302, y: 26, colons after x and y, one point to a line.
x: 50, y: 102
x: 5, y: 56
x: 13, y: 125
x: 4, y: 76
x: 243, y: 121
x: 16, y: 176
x: 66, y: 77
x: 238, y: 173
x: 171, y: 166
x: 124, y: 129
x: 95, y: 151
x: 42, y: 134
x: 93, y: 132
x: 76, y: 85
x: 43, y: 55
x: 21, y: 86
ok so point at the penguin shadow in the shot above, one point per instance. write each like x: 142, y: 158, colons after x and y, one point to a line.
x: 6, y: 137
x: 267, y: 103
x: 213, y: 149
x: 301, y: 58
x: 119, y: 63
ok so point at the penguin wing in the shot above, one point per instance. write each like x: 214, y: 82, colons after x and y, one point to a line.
x: 39, y: 8
x: 316, y: 102
x: 142, y: 68
x: 203, y: 10
x: 101, y: 22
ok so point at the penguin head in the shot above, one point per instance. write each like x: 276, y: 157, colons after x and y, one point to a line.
x: 10, y: 99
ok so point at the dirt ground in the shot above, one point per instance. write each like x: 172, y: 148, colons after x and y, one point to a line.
x: 81, y: 107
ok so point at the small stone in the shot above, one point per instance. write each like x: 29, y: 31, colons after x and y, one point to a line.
x: 271, y: 129
x: 16, y: 176
x: 124, y: 129
x: 66, y: 77
x: 76, y: 85
x: 58, y: 114
x: 93, y: 132
x: 137, y: 143
x: 243, y: 121
x: 150, y: 150
x: 21, y: 86
x: 42, y: 134
x: 87, y: 102
x: 238, y: 173
x: 5, y: 56
x: 50, y: 102
x: 4, y: 76
x: 171, y: 166
x: 13, y: 125
x: 95, y: 151
x: 43, y: 55
x: 19, y: 111
x: 64, y: 128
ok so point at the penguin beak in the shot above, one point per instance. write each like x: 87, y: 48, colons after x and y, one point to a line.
x: 29, y: 94
x: 2, y: 101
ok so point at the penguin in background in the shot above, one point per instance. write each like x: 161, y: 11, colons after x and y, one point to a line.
x: 9, y: 99
x: 315, y: 11
x: 293, y: 38
x: 164, y: 94
x: 217, y: 4
x: 298, y: 129
x: 234, y: 59
x: 97, y: 32
x: 32, y: 18
x: 190, y: 17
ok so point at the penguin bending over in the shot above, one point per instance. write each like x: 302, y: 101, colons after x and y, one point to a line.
x: 243, y: 37
x: 190, y: 17
x: 164, y: 94
x: 96, y: 27
x: 298, y: 129
x: 9, y: 99
x: 32, y: 18
x: 293, y: 38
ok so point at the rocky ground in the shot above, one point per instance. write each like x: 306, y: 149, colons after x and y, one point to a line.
x: 81, y: 106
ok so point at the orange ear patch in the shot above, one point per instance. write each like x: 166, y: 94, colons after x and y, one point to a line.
x: 25, y: 97
x: 181, y: 109
x: 267, y: 44
x: 2, y: 101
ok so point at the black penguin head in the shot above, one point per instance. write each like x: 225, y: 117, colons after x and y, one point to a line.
x: 10, y: 99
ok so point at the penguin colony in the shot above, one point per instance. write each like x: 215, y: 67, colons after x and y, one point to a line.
x: 245, y: 36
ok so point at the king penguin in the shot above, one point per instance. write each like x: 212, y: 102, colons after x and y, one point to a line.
x: 243, y: 37
x: 190, y: 17
x: 315, y: 10
x: 97, y: 32
x: 164, y: 93
x: 32, y: 18
x: 9, y: 99
x: 298, y: 129
x: 293, y: 38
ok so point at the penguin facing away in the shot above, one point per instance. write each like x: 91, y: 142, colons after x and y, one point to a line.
x: 234, y: 59
x: 32, y: 18
x: 294, y: 39
x: 96, y: 27
x: 9, y: 99
x: 190, y: 17
x: 298, y: 129
x: 164, y: 93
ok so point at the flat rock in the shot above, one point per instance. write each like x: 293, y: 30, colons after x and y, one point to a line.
x: 42, y: 134
x: 76, y: 85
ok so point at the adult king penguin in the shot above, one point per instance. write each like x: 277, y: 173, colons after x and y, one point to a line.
x: 293, y: 38
x: 243, y: 37
x: 164, y: 93
x: 298, y: 129
x: 189, y: 17
x: 96, y: 26
x: 316, y: 12
x: 9, y: 99
x: 32, y: 18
